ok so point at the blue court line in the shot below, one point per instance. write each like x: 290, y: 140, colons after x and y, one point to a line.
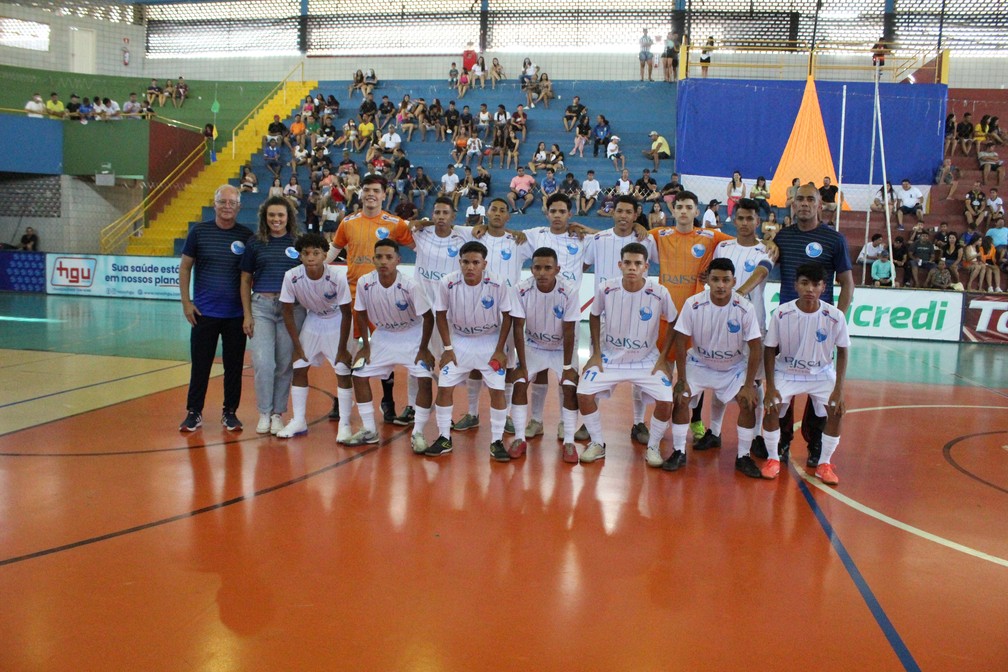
x: 101, y: 382
x: 895, y: 641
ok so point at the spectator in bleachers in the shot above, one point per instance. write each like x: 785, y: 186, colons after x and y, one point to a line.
x: 450, y: 185
x: 466, y: 183
x: 670, y: 191
x: 278, y: 132
x: 298, y: 133
x: 711, y: 216
x: 939, y: 277
x: 964, y: 135
x: 538, y: 160
x: 659, y: 149
x: 466, y: 121
x: 922, y: 256
x: 994, y: 132
x: 976, y: 205
x: 980, y: 131
x: 656, y: 218
x: 501, y: 117
x: 332, y: 106
x: 248, y: 182
x: 900, y: 256
x: 830, y: 195
x: 644, y: 55
x: 349, y: 137
x: 276, y: 188
x: 479, y: 73
x: 419, y: 108
x: 498, y: 146
x: 570, y: 186
x: 624, y: 185
x: 473, y: 150
x: 646, y: 188
x: 436, y: 120
x: 29, y: 241
x: 555, y: 158
x: 600, y: 134
x: 73, y: 107
x: 952, y: 251
x: 386, y: 113
x: 155, y: 92
x: 530, y: 71
x: 55, y: 107
x: 293, y: 192
x: 451, y: 118
x: 670, y: 57
x: 356, y: 84
x: 98, y: 106
x: 950, y: 132
x: 761, y: 194
x: 453, y: 75
x: 484, y: 121
x: 614, y: 154
x: 458, y: 150
x: 705, y: 56
x: 112, y: 110
x: 496, y: 73
x: 948, y: 174
x: 995, y: 205
x: 736, y: 191
x: 308, y: 107
x: 464, y: 83
x: 368, y: 107
x: 271, y: 157
x: 512, y: 145
x: 873, y: 250
x: 770, y: 226
x: 312, y: 223
x: 607, y: 203
x: 911, y: 202
x: 882, y: 270
x: 998, y: 234
x: 548, y: 186
x: 519, y: 121
x: 132, y: 108
x: 589, y: 192
x: 483, y: 181
x: 469, y: 56
x: 35, y: 107
x: 181, y: 92
x: 406, y: 119
x: 320, y: 160
x: 990, y: 162
x: 389, y: 142
x: 521, y: 187
x: 475, y: 213
x: 540, y: 91
x: 167, y: 91
x: 792, y: 192
x: 582, y: 131
x: 987, y: 271
x: 573, y: 114
x: 146, y: 111
x: 941, y: 234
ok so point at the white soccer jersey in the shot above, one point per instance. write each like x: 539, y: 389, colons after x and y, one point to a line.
x: 806, y: 340
x: 720, y: 333
x: 396, y: 308
x: 570, y: 250
x: 632, y: 319
x: 505, y: 257
x: 747, y: 260
x: 436, y: 257
x: 604, y: 254
x: 323, y: 297
x: 473, y: 310
x: 545, y: 312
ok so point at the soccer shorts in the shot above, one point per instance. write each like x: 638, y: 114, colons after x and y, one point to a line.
x: 473, y: 353
x: 654, y: 386
x: 537, y: 359
x: 320, y: 340
x: 394, y: 348
x: 724, y: 384
x: 818, y: 390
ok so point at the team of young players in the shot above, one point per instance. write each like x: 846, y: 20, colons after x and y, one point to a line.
x: 467, y: 316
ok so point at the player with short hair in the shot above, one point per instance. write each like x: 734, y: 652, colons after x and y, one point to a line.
x: 398, y: 307
x: 325, y: 294
x: 724, y: 358
x: 473, y: 312
x: 633, y: 306
x: 799, y: 358
x: 552, y: 313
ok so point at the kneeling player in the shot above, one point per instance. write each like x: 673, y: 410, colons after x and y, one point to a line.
x: 403, y: 320
x: 633, y: 307
x: 799, y: 358
x: 325, y: 295
x: 551, y: 311
x: 725, y: 358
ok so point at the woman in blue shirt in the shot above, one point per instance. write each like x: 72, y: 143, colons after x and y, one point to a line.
x: 600, y: 134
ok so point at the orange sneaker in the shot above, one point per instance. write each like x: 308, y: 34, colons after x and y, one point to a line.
x: 770, y: 469
x: 569, y: 452
x: 826, y: 474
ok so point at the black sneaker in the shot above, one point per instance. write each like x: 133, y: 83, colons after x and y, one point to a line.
x: 388, y: 412
x: 442, y: 446
x: 758, y: 448
x: 639, y: 433
x: 498, y: 452
x: 707, y: 441
x: 334, y: 413
x: 814, y: 452
x: 231, y: 421
x: 746, y: 465
x: 192, y: 422
x: 784, y: 450
x: 406, y: 418
x: 675, y: 462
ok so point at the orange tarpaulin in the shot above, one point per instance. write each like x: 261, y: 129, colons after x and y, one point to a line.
x: 807, y: 153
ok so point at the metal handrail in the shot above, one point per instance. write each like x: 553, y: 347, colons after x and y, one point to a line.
x: 258, y: 106
x: 113, y: 235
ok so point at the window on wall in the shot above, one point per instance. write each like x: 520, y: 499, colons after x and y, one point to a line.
x: 223, y: 28
x: 24, y: 34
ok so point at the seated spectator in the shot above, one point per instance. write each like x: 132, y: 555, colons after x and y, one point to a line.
x: 901, y: 258
x: 948, y: 174
x: 466, y: 121
x: 964, y: 135
x: 548, y: 187
x: 484, y: 121
x: 278, y: 131
x: 29, y: 241
x: 112, y: 111
x: 952, y: 251
x: 939, y: 276
x: 464, y: 82
x: 475, y: 213
x: 367, y: 108
x: 873, y: 250
x: 792, y: 191
x: 498, y: 146
x: 659, y: 149
x: 989, y: 273
x: 971, y: 234
x: 146, y: 111
x: 761, y: 194
x: 538, y: 159
x: 389, y: 142
x: 624, y: 186
x: 276, y: 188
x: 911, y: 202
x: 922, y: 256
x: 168, y: 91
x: 467, y: 182
x: 572, y: 115
x: 519, y: 121
x: 994, y: 132
x: 711, y: 216
x: 293, y: 192
x: 481, y: 183
x: 885, y: 199
x: 736, y: 191
x: 370, y: 81
x: 582, y: 131
x: 521, y: 187
x: 539, y: 91
x: 248, y: 183
x: 400, y: 173
x: 356, y: 84
x: 646, y: 188
x: 882, y: 271
x: 990, y: 162
x: 496, y: 73
x: 940, y: 234
x: 271, y: 157
x: 995, y: 205
x: 432, y: 120
x: 998, y: 234
x: 386, y: 113
x: 530, y: 71
x: 829, y: 193
x: 473, y: 149
x: 55, y: 107
x: 607, y: 203
x: 450, y: 185
x: 950, y: 133
x: 422, y: 185
x: 671, y: 190
x: 614, y: 154
x: 132, y: 108
x: 365, y: 134
x: 600, y: 134
x: 589, y: 193
x: 348, y: 138
x: 555, y: 158
x: 73, y: 107
x: 479, y: 73
x: 98, y: 108
x: 181, y: 92
x: 155, y: 92
x: 656, y: 218
x: 453, y: 75
x: 512, y: 145
x: 451, y: 118
x: 976, y: 205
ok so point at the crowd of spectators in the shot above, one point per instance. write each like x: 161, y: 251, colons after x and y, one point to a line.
x: 104, y: 108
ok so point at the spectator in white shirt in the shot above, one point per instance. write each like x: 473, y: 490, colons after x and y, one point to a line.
x: 910, y: 203
x: 390, y: 141
x: 873, y: 250
x: 711, y: 218
x: 449, y: 185
x: 590, y: 189
x: 35, y: 107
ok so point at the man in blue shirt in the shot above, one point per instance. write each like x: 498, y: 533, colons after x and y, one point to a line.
x: 214, y: 249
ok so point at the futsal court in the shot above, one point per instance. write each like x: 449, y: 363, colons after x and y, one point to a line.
x: 125, y: 545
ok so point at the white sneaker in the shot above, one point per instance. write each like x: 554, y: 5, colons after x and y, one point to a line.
x: 362, y: 436
x: 344, y: 434
x: 533, y: 428
x: 532, y: 105
x: 276, y: 424
x: 263, y: 426
x: 594, y: 451
x: 293, y: 428
x: 653, y: 456
x: 419, y: 443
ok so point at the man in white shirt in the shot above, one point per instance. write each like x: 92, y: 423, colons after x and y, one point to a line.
x: 132, y: 108
x: 873, y: 250
x: 35, y: 107
x: 711, y: 219
x: 476, y: 212
x: 590, y: 189
x: 910, y: 203
x: 995, y: 204
x: 449, y: 186
x: 389, y: 141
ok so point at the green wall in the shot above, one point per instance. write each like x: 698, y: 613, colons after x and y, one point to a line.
x: 123, y: 144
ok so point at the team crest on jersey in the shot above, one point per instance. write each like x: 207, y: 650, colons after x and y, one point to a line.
x: 506, y: 253
x: 605, y: 360
x: 749, y: 265
x: 368, y: 286
x: 573, y: 248
x: 666, y: 232
x: 607, y: 290
x: 453, y: 251
x: 401, y: 305
x: 820, y: 335
x: 487, y: 302
x: 292, y: 253
x: 330, y: 297
x: 237, y: 247
x: 453, y: 283
x: 734, y: 326
x: 665, y: 381
x: 382, y: 233
x: 698, y: 250
x: 646, y: 313
x: 558, y: 310
x: 813, y: 250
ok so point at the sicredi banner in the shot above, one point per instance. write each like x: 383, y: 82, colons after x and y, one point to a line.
x: 100, y: 275
x: 986, y: 318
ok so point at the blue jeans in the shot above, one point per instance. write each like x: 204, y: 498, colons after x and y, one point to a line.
x: 272, y: 349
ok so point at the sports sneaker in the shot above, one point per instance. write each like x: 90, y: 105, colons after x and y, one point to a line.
x: 758, y: 448
x: 826, y: 474
x: 419, y: 444
x: 534, y: 428
x: 467, y: 422
x: 344, y: 434
x: 653, y: 456
x: 814, y: 452
x: 517, y: 448
x: 569, y: 453
x: 594, y: 451
x: 192, y: 422
x: 360, y: 437
x: 388, y: 412
x: 442, y: 446
x: 560, y: 431
x: 276, y: 424
x: 698, y: 429
x: 770, y: 469
x: 582, y: 434
x: 746, y: 466
x: 640, y: 433
x: 334, y: 413
x: 509, y: 426
x: 405, y: 419
x: 263, y: 426
x: 784, y: 450
x: 293, y: 428
x: 498, y: 452
x: 675, y: 462
x: 707, y: 441
x: 231, y: 421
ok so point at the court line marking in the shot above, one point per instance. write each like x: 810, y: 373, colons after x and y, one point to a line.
x: 874, y: 606
x: 947, y: 452
x: 889, y: 520
x: 89, y: 385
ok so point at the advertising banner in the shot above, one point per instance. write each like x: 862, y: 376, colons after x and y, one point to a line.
x: 22, y: 271
x: 99, y: 275
x: 986, y: 318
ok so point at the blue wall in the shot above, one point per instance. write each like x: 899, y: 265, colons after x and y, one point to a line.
x: 34, y: 145
x: 727, y: 125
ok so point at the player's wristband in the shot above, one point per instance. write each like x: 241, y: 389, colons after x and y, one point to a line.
x: 567, y: 367
x: 449, y: 347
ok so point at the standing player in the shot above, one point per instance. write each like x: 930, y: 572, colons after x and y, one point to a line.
x: 724, y: 358
x: 633, y: 307
x: 551, y: 311
x: 799, y: 358
x: 357, y: 234
x: 325, y: 295
x: 473, y: 314
x: 403, y: 319
x: 214, y: 249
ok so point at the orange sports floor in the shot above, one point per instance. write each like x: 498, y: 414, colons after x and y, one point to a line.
x: 125, y: 545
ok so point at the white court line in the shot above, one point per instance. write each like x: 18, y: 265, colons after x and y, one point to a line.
x: 877, y: 515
